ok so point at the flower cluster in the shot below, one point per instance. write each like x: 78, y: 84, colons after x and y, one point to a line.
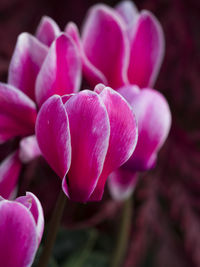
x: 86, y: 136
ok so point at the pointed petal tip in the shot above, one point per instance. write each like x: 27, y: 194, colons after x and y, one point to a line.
x: 61, y: 70
x: 47, y: 30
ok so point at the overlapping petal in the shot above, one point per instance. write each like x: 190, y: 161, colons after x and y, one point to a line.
x: 28, y: 149
x: 10, y: 169
x: 17, y: 113
x: 123, y: 136
x: 122, y: 183
x: 33, y: 204
x: 47, y: 31
x: 90, y: 131
x: 53, y: 135
x: 90, y: 72
x: 129, y: 13
x: 18, y: 235
x: 25, y: 64
x: 147, y: 50
x: 106, y: 44
x: 154, y: 121
x: 61, y: 71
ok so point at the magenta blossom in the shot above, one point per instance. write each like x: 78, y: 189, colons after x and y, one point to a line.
x: 120, y: 46
x: 35, y: 73
x: 21, y: 229
x: 84, y: 137
x: 154, y: 121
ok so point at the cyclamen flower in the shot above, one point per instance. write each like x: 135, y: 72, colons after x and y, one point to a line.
x: 21, y: 229
x: 35, y: 73
x: 84, y: 137
x: 120, y: 46
x: 154, y: 121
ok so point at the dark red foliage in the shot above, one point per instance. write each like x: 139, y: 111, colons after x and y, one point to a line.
x: 166, y: 224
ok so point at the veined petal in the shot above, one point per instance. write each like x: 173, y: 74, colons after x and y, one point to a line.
x: 29, y: 149
x: 18, y: 236
x: 90, y: 131
x: 10, y: 169
x: 147, y: 50
x: 25, y: 64
x: 154, y: 121
x: 17, y: 113
x: 122, y: 183
x: 31, y: 202
x: 53, y: 135
x: 129, y: 13
x: 90, y: 72
x: 47, y: 31
x: 123, y: 136
x: 106, y: 44
x: 61, y: 72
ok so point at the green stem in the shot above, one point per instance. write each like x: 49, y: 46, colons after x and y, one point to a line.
x: 52, y: 230
x: 123, y: 234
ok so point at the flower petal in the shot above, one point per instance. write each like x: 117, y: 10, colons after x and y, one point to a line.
x: 129, y: 13
x: 53, y: 135
x: 122, y: 183
x: 147, y: 50
x: 47, y: 31
x: 33, y: 204
x: 90, y: 72
x: 18, y: 237
x: 10, y: 169
x: 61, y: 72
x: 26, y: 61
x: 106, y: 44
x: 17, y: 113
x: 154, y: 121
x: 123, y: 136
x: 90, y: 130
x: 29, y: 149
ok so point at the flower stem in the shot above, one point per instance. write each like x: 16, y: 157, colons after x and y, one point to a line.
x: 123, y: 234
x: 53, y: 229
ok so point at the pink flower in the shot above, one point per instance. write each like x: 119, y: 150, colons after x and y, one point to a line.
x: 21, y: 229
x: 154, y: 122
x: 120, y: 46
x: 35, y: 73
x: 84, y: 137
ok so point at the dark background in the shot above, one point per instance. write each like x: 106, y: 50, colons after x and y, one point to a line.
x: 166, y: 222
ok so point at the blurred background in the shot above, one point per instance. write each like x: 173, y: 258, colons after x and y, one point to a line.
x: 165, y: 226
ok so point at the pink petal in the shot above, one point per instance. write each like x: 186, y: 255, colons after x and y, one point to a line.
x: 17, y: 113
x: 129, y: 13
x: 123, y: 136
x: 147, y: 50
x: 53, y: 135
x: 31, y: 202
x: 122, y: 183
x: 47, y: 30
x: 29, y: 149
x: 18, y: 236
x: 10, y: 169
x: 61, y: 71
x: 106, y: 44
x: 89, y: 128
x: 99, y: 88
x: 154, y: 121
x: 25, y: 64
x: 90, y: 72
